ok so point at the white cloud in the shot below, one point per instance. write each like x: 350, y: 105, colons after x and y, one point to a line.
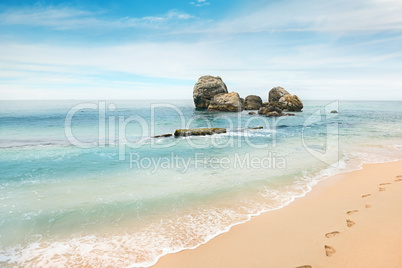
x: 239, y: 48
x: 312, y: 70
x: 200, y: 3
x: 56, y: 17
x: 152, y: 20
x: 62, y: 18
x: 321, y: 16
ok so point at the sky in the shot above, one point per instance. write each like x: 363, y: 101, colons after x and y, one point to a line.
x: 157, y: 49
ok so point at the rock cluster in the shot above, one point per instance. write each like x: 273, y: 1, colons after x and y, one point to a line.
x: 211, y: 93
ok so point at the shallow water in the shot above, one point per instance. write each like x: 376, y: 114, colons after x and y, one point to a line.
x: 127, y: 198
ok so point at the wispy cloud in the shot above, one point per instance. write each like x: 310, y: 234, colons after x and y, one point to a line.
x: 62, y: 18
x: 153, y: 20
x: 317, y: 16
x: 55, y: 17
x: 307, y: 71
x: 200, y: 3
x: 344, y: 48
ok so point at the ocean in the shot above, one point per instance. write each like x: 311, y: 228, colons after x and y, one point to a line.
x: 85, y: 183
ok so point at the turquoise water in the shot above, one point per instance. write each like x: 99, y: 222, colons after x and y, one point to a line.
x: 106, y: 193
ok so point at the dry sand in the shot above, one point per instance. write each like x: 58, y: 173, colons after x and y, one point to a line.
x: 349, y: 220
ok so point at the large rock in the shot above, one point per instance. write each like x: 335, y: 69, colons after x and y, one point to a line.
x: 276, y: 93
x: 226, y: 102
x: 279, y: 97
x: 206, y: 88
x: 252, y: 102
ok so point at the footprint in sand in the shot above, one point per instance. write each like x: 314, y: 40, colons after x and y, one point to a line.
x: 350, y: 223
x: 304, y: 266
x: 329, y: 251
x: 331, y: 234
x: 368, y: 206
x: 398, y: 178
x: 381, y: 189
x: 385, y: 183
x: 366, y: 195
x: 352, y: 212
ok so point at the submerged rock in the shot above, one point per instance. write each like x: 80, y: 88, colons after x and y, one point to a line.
x: 163, y: 136
x: 226, y: 102
x: 279, y: 97
x: 274, y: 114
x: 269, y: 109
x: 272, y: 111
x: 252, y: 102
x: 206, y: 88
x: 199, y: 131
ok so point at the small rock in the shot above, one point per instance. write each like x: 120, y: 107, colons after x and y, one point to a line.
x: 266, y: 104
x: 163, y: 136
x: 252, y: 102
x: 251, y: 113
x: 273, y: 114
x: 334, y: 112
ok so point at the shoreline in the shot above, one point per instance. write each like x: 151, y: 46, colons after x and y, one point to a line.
x: 263, y: 241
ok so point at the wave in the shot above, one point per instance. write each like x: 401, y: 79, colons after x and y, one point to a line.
x: 170, y: 235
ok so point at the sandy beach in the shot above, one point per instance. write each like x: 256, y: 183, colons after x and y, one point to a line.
x: 352, y: 219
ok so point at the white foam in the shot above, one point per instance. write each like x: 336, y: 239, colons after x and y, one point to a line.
x: 144, y: 247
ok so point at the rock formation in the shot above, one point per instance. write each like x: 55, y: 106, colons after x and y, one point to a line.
x: 226, y: 102
x: 206, y: 88
x: 272, y: 111
x: 279, y: 97
x: 199, y: 131
x: 252, y: 102
x: 212, y: 94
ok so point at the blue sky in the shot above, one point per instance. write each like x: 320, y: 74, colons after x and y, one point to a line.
x: 148, y: 49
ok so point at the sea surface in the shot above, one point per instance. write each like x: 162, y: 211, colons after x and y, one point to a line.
x: 84, y: 183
